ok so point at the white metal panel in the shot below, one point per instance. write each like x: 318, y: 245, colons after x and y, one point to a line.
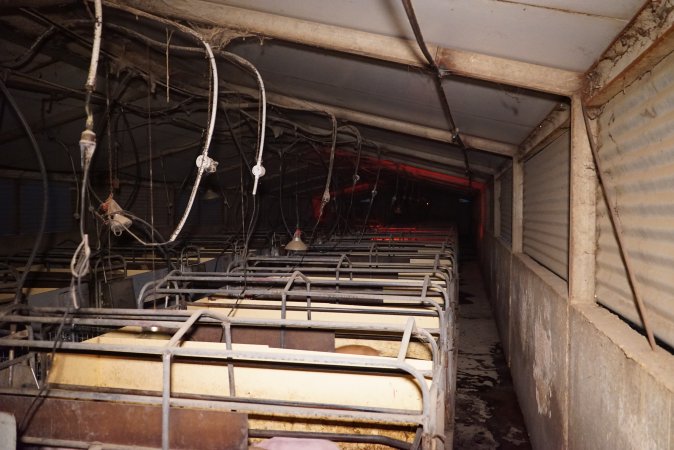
x: 559, y: 33
x: 506, y: 205
x: 636, y: 147
x: 546, y: 206
x: 484, y: 109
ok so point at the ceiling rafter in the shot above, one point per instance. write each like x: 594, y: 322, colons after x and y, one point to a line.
x: 435, y: 134
x: 386, y: 48
x: 645, y: 42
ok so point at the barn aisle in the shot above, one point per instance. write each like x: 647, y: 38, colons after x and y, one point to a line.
x: 487, y: 413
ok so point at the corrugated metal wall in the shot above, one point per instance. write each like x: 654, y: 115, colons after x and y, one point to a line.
x: 636, y: 148
x: 506, y: 204
x: 546, y: 206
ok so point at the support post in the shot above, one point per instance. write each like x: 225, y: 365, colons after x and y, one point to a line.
x: 582, y: 210
x: 518, y: 205
x: 497, y: 207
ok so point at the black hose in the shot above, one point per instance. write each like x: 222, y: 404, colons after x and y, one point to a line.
x: 45, y: 190
x: 412, y: 18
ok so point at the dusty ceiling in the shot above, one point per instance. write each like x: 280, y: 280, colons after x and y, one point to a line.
x: 356, y: 60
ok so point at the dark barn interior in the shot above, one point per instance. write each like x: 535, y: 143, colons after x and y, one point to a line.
x: 301, y: 224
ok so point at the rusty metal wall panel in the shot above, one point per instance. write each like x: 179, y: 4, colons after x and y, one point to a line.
x: 546, y: 206
x: 128, y: 425
x: 506, y: 204
x: 636, y: 149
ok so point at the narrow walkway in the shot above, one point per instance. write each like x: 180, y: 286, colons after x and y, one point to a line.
x: 487, y: 413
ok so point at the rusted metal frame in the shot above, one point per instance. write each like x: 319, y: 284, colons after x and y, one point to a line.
x: 270, y: 293
x: 328, y: 262
x: 284, y: 279
x: 355, y: 267
x: 441, y: 277
x: 410, y: 326
x: 166, y: 375
x: 244, y: 283
x: 620, y: 234
x: 227, y: 335
x: 98, y: 284
x: 390, y: 269
x: 341, y: 361
x: 166, y: 400
x: 68, y: 443
x: 368, y: 245
x: 422, y: 334
x: 343, y: 258
x: 338, y: 437
x: 335, y: 437
x: 152, y: 284
x: 268, y: 271
x: 284, y: 296
x: 325, y: 361
x: 437, y: 365
x: 404, y: 283
x: 166, y: 322
x: 269, y: 407
x: 185, y: 256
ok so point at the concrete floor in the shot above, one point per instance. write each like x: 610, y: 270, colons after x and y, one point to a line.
x: 487, y: 413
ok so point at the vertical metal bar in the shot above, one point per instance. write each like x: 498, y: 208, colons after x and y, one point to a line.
x: 620, y: 236
x: 166, y: 401
x: 283, y: 316
x: 230, y: 367
x: 309, y: 300
x: 405, y: 343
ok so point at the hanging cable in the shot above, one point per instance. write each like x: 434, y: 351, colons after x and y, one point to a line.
x: 45, y: 190
x: 373, y: 194
x: 356, y: 177
x: 79, y: 264
x: 439, y: 74
x: 257, y: 170
x: 325, y: 199
x: 204, y: 162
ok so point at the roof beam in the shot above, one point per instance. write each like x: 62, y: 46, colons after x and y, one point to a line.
x: 645, y: 42
x: 547, y: 131
x: 435, y: 134
x: 440, y: 160
x: 370, y: 45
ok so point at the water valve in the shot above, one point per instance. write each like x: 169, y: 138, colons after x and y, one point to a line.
x: 258, y: 171
x: 209, y: 164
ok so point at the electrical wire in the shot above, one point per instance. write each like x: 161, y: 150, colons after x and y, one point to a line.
x: 79, y: 264
x: 439, y: 74
x: 258, y: 169
x: 45, y: 190
x: 369, y: 208
x: 213, y: 107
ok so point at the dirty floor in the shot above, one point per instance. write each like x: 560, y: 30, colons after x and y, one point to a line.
x: 487, y: 413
